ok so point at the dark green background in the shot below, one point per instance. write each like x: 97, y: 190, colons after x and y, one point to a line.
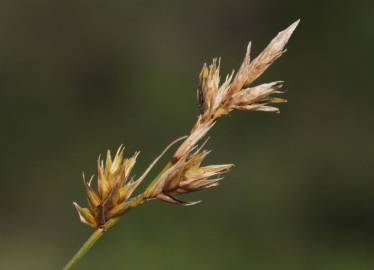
x: 79, y: 77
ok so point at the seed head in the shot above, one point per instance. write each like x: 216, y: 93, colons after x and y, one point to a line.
x: 185, y: 173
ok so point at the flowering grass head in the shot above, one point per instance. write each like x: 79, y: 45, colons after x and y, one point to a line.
x: 184, y: 173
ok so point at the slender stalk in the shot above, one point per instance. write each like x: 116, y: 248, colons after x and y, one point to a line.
x: 89, y: 244
x: 84, y: 249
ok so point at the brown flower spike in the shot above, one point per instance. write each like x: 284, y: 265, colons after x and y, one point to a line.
x: 185, y: 172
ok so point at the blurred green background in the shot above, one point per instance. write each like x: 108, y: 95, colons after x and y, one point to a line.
x: 79, y: 77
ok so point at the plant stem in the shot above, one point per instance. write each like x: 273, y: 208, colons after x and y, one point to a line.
x: 89, y: 243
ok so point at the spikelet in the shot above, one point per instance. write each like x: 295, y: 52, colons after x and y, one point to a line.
x: 185, y: 176
x: 114, y: 187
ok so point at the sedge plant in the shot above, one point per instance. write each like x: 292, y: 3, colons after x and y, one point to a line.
x: 113, y: 194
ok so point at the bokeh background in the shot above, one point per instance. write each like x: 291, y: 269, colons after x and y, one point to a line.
x: 79, y: 77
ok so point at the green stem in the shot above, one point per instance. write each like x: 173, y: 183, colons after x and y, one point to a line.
x: 89, y: 243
